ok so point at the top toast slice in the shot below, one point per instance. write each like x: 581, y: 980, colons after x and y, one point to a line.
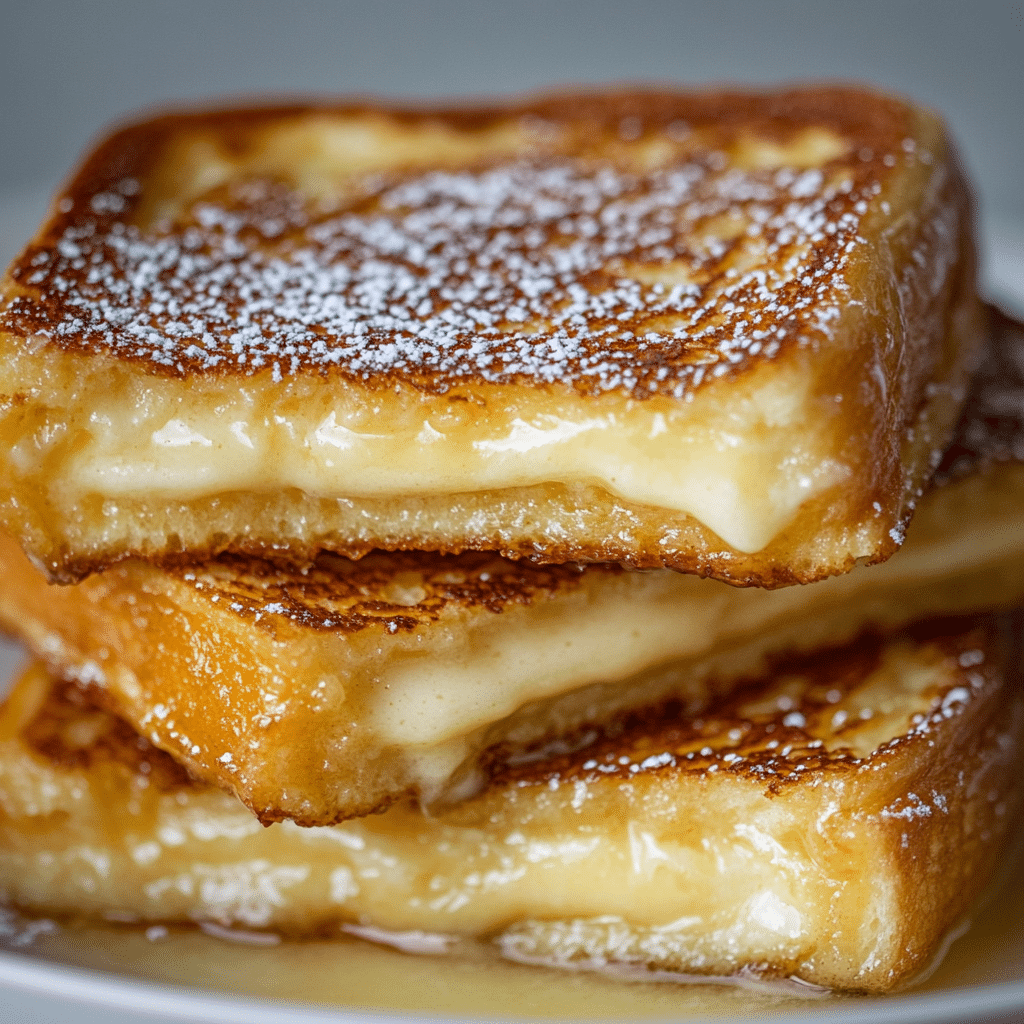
x: 720, y: 332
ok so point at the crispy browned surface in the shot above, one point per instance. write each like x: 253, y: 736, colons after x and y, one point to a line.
x: 400, y: 591
x: 61, y: 291
x: 623, y: 247
x: 880, y: 778
x: 71, y: 730
x: 266, y: 679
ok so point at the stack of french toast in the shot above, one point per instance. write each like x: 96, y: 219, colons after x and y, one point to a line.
x: 589, y: 525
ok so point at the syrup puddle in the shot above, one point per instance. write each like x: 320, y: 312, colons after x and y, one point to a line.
x: 747, y: 980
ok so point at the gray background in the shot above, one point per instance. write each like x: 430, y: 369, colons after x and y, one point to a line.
x: 69, y: 67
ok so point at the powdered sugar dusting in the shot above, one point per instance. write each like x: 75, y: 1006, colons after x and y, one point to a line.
x: 554, y: 270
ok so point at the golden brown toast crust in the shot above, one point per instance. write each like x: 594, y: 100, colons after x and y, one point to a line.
x: 180, y: 302
x: 72, y: 730
x: 879, y: 778
x: 597, y: 254
x: 400, y: 591
x: 991, y: 428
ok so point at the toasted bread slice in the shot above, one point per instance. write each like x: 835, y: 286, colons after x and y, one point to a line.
x: 829, y: 823
x: 325, y: 694
x: 719, y: 332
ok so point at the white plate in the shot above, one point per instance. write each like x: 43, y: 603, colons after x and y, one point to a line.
x: 118, y: 977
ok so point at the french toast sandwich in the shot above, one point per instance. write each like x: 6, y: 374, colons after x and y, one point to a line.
x: 726, y: 333
x: 827, y: 823
x: 328, y: 692
x: 380, y: 453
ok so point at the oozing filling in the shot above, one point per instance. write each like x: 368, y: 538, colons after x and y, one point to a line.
x: 743, y: 470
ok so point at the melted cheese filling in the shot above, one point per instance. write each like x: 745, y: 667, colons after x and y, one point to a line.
x: 742, y: 468
x: 425, y: 698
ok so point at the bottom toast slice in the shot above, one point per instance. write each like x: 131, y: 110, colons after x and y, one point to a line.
x: 828, y: 823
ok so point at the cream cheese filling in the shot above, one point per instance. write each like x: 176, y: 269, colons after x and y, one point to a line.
x: 489, y: 674
x: 742, y: 470
x: 431, y: 706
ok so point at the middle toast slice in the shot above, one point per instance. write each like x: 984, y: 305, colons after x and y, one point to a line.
x: 323, y: 695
